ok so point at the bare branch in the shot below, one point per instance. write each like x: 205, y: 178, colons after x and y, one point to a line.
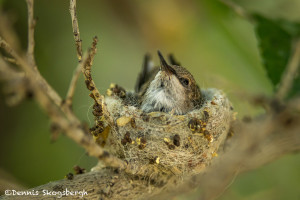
x: 31, y: 27
x: 69, y: 125
x: 15, y: 86
x: 11, y: 60
x: 85, y: 65
x: 6, y: 72
x: 78, y: 44
x: 19, y: 59
x: 75, y: 26
x: 58, y: 113
x: 73, y: 83
x: 291, y: 72
x: 86, y: 70
x: 90, y: 84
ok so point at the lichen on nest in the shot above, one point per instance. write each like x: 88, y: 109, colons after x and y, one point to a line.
x: 172, y: 144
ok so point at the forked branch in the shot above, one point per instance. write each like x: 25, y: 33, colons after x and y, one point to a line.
x: 48, y: 98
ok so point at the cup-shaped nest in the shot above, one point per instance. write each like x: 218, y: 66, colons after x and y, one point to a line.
x: 169, y: 143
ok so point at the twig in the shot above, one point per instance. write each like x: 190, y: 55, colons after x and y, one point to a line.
x: 73, y: 83
x: 31, y: 28
x: 291, y: 72
x: 22, y: 62
x: 7, y: 72
x: 71, y: 129
x: 86, y: 70
x: 77, y: 134
x: 78, y: 44
x: 85, y: 66
x: 46, y: 96
x: 75, y: 26
x: 11, y: 60
x: 90, y: 84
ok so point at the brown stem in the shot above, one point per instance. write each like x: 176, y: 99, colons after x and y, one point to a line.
x: 31, y: 28
x: 78, y: 44
x: 75, y: 26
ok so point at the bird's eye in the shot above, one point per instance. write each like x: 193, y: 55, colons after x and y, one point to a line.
x: 185, y: 82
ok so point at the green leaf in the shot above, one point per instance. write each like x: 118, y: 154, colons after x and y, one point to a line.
x: 275, y: 39
x: 275, y: 46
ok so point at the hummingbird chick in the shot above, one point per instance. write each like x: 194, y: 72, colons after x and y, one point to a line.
x: 170, y: 88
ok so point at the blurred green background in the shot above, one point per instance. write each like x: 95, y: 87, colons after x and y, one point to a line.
x: 217, y: 46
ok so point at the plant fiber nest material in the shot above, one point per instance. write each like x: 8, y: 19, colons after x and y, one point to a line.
x: 163, y: 142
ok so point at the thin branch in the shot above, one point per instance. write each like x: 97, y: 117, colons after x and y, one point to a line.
x: 11, y: 60
x: 90, y: 84
x: 14, y: 88
x: 70, y: 126
x: 77, y: 134
x: 7, y: 72
x: 46, y: 96
x: 20, y: 59
x: 31, y: 28
x: 85, y: 66
x: 86, y: 70
x: 73, y: 83
x: 291, y: 72
x: 59, y: 113
x: 75, y: 26
x: 72, y: 130
x: 78, y: 44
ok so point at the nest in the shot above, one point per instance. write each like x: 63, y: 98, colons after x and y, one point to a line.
x: 163, y: 142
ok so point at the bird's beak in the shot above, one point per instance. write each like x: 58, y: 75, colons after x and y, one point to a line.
x: 164, y: 65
